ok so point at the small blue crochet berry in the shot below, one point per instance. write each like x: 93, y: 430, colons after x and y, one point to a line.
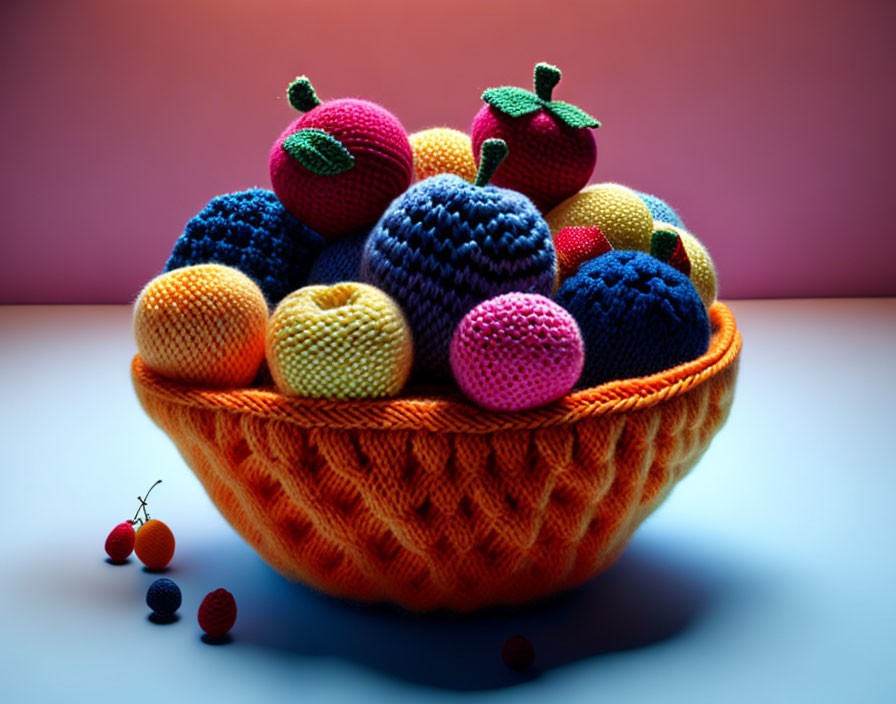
x: 250, y: 231
x: 446, y: 245
x: 163, y: 597
x: 638, y: 316
x: 340, y: 260
x: 660, y: 210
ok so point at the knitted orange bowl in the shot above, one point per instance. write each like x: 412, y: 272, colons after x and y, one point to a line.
x: 432, y: 502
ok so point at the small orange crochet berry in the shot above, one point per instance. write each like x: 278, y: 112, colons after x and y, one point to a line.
x: 154, y: 541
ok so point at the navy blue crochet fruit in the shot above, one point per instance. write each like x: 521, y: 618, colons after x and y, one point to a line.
x: 446, y: 245
x: 638, y: 316
x: 163, y: 597
x: 340, y: 260
x: 250, y: 231
x: 660, y: 210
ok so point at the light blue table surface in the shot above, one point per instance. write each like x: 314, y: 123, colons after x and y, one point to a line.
x: 768, y: 575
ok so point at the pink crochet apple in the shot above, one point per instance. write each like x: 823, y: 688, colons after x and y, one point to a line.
x: 516, y: 351
x: 339, y: 166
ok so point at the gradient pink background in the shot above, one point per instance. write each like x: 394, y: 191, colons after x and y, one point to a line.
x: 768, y: 124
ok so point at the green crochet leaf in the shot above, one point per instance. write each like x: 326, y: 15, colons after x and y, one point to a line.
x: 571, y: 115
x: 663, y: 244
x: 318, y: 152
x: 514, y: 102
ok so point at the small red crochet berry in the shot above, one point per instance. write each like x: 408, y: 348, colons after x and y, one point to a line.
x: 120, y: 543
x: 518, y: 653
x: 575, y: 246
x: 667, y: 246
x: 552, y: 148
x: 217, y: 613
x: 339, y: 166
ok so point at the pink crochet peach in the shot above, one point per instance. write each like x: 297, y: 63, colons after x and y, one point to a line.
x: 516, y: 351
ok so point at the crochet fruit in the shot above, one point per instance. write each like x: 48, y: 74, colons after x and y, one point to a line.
x: 349, y: 340
x: 202, y: 325
x: 702, y: 271
x: 518, y: 653
x: 659, y: 209
x: 622, y: 217
x: 340, y: 260
x: 637, y: 315
x: 163, y: 597
x: 120, y: 543
x: 250, y: 231
x: 576, y: 245
x: 516, y: 351
x: 338, y: 167
x: 217, y: 613
x: 154, y: 544
x: 442, y: 150
x: 552, y: 148
x: 445, y: 245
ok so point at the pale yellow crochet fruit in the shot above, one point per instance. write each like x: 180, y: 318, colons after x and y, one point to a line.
x: 442, y: 150
x: 345, y: 341
x: 703, y: 273
x: 620, y: 214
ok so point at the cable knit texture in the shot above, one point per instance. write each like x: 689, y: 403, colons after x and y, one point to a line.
x: 637, y: 315
x: 342, y: 203
x: 340, y: 260
x: 660, y: 210
x: 433, y: 502
x: 442, y: 150
x: 253, y: 232
x: 622, y: 217
x: 446, y: 245
x: 349, y: 340
x: 548, y: 160
x: 202, y: 324
x: 516, y: 351
x: 703, y: 272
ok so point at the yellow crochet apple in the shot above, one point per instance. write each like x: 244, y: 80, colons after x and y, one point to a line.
x: 621, y: 215
x: 345, y: 341
x: 703, y: 273
x: 442, y: 150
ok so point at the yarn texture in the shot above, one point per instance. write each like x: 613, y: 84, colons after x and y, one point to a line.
x: 516, y: 351
x: 120, y: 542
x: 217, y: 613
x: 202, y: 324
x: 340, y: 260
x: 660, y: 210
x: 702, y: 270
x: 253, y: 232
x: 442, y: 150
x: 446, y: 245
x: 622, y: 217
x: 344, y: 202
x: 576, y: 245
x: 349, y: 340
x: 638, y: 316
x: 163, y: 597
x: 154, y: 544
x: 433, y: 502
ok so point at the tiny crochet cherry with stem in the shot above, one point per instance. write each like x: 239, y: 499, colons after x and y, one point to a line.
x: 154, y: 541
x: 120, y: 542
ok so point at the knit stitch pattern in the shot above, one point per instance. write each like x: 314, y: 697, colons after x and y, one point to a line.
x: 576, y: 245
x: 446, y: 245
x: 622, y: 217
x: 433, y: 502
x: 349, y: 340
x: 250, y: 231
x: 659, y: 209
x: 217, y: 613
x: 442, y: 150
x: 340, y: 260
x: 516, y: 351
x: 702, y: 270
x: 638, y: 316
x: 163, y: 597
x: 202, y: 324
x: 349, y: 201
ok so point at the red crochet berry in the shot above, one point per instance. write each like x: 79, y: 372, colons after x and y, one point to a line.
x: 120, y: 543
x: 575, y: 246
x: 339, y: 166
x: 217, y: 613
x: 552, y: 149
x: 518, y: 653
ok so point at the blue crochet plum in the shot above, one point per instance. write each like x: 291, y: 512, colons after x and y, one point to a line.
x: 638, y: 316
x: 250, y: 231
x: 446, y: 245
x: 340, y: 260
x: 660, y: 210
x: 163, y: 597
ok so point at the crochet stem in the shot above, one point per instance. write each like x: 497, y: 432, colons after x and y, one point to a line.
x: 490, y: 157
x: 546, y: 77
x: 301, y: 94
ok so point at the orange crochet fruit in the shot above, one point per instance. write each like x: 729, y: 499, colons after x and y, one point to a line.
x: 430, y: 501
x: 442, y: 150
x: 154, y: 544
x: 202, y: 324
